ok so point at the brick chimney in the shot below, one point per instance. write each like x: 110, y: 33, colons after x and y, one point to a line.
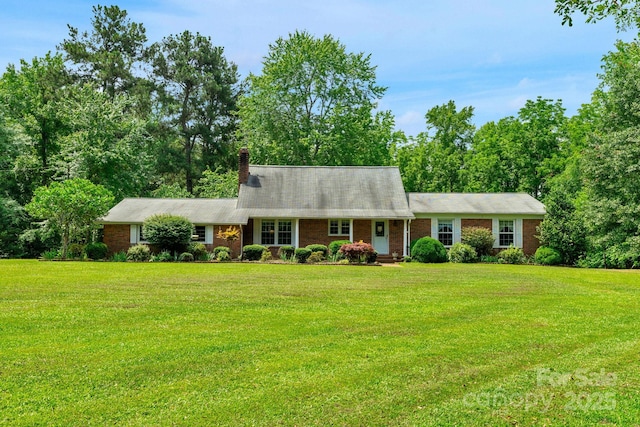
x: 243, y: 166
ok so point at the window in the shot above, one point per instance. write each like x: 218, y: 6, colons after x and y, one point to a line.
x: 276, y: 232
x: 268, y: 236
x: 140, y: 235
x: 284, y: 232
x: 339, y: 227
x: 506, y: 232
x: 200, y: 231
x: 445, y: 231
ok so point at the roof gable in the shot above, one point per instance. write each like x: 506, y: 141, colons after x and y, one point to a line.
x: 324, y: 192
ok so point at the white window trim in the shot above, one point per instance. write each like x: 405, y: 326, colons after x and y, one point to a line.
x: 134, y: 234
x: 257, y: 231
x: 457, y: 229
x: 341, y: 222
x: 517, y: 231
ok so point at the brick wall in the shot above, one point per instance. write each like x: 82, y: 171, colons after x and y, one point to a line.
x: 316, y: 231
x: 362, y: 230
x: 529, y: 242
x: 117, y: 237
x: 484, y: 223
x: 396, y: 236
x: 420, y: 227
x: 247, y: 233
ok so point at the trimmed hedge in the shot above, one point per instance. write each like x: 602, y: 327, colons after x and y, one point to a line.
x: 302, y: 254
x: 548, y: 256
x: 96, y: 250
x: 334, y: 247
x: 358, y: 252
x: 428, y: 249
x: 253, y: 252
x: 168, y: 232
x: 319, y: 248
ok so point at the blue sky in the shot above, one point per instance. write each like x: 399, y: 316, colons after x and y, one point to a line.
x: 490, y: 54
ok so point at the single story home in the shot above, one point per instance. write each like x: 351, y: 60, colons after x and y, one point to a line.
x: 301, y: 205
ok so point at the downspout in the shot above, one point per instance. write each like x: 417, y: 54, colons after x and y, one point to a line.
x: 407, y: 231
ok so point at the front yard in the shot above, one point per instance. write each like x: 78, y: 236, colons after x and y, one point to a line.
x: 267, y: 344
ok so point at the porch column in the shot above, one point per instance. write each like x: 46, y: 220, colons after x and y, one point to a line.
x: 351, y: 230
x: 296, y: 238
x: 404, y: 237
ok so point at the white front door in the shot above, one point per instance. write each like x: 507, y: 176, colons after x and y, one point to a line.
x: 380, y: 236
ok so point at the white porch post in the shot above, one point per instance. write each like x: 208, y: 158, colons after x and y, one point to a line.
x: 351, y: 230
x: 296, y: 239
x: 404, y: 237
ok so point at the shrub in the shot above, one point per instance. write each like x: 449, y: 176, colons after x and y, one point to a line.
x: 479, y: 238
x: 357, y: 252
x: 302, y: 254
x: 319, y: 248
x: 253, y: 252
x: 462, y: 253
x: 266, y: 256
x: 489, y: 259
x: 218, y: 249
x: 51, y: 255
x: 316, y: 257
x: 75, y: 250
x: 412, y: 244
x: 164, y: 256
x: 372, y: 258
x: 511, y: 255
x: 334, y: 247
x: 168, y: 232
x: 97, y: 250
x: 428, y: 249
x: 186, y: 257
x: 548, y: 256
x: 407, y: 259
x: 139, y: 253
x: 223, y: 256
x: 198, y: 250
x: 286, y: 252
x: 119, y: 257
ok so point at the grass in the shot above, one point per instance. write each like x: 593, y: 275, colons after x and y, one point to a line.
x: 251, y: 344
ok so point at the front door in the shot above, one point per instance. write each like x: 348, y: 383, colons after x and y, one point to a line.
x: 380, y: 239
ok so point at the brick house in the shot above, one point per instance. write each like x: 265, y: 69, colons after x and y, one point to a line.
x: 301, y: 205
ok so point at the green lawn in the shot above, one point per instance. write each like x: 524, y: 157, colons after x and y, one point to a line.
x: 252, y: 344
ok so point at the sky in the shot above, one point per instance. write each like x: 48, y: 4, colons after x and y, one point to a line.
x: 492, y: 55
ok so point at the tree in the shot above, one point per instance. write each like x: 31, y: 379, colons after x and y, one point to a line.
x: 71, y: 206
x: 33, y: 95
x: 108, y: 55
x: 13, y: 221
x: 494, y: 160
x: 314, y: 104
x: 106, y: 144
x: 197, y: 93
x: 543, y: 148
x: 626, y: 13
x: 217, y: 185
x: 436, y: 161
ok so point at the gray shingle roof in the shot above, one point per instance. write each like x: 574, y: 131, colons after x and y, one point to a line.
x: 475, y: 203
x: 198, y: 211
x: 324, y: 192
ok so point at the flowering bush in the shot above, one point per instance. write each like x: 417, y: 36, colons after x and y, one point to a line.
x: 357, y: 252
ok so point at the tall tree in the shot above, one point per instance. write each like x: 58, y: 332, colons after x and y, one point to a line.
x: 110, y: 54
x: 106, y: 144
x: 494, y: 161
x: 436, y: 161
x: 33, y: 95
x: 197, y: 92
x: 543, y: 149
x: 314, y: 104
